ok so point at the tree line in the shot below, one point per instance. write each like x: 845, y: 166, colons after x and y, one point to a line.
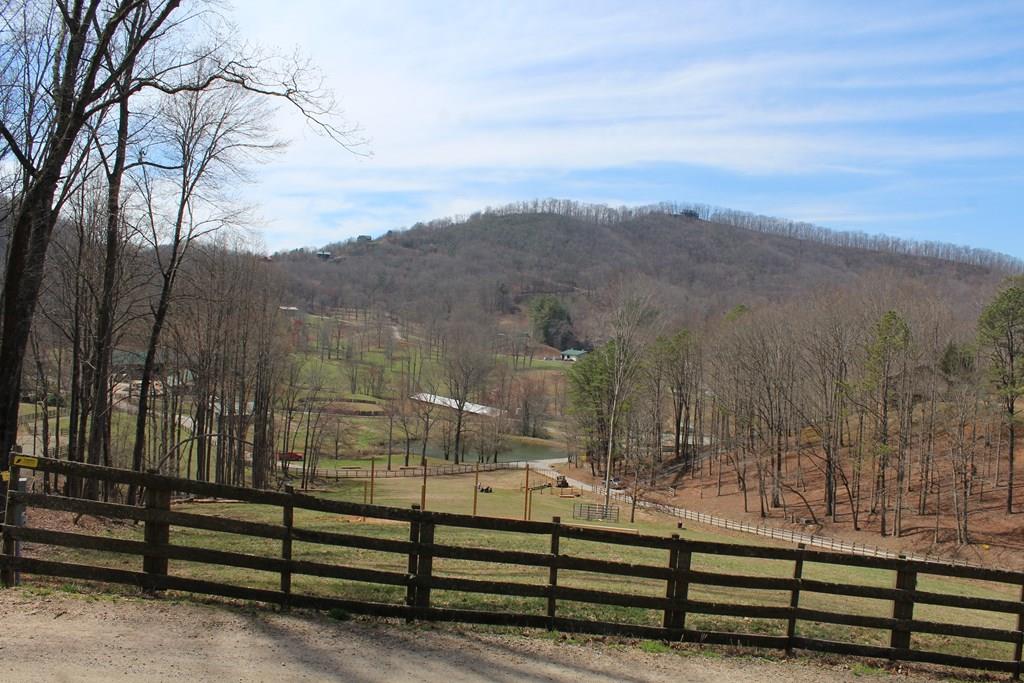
x: 881, y: 394
x: 124, y: 126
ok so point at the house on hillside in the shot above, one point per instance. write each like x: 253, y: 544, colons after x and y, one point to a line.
x: 572, y: 355
x: 126, y: 367
x: 128, y: 363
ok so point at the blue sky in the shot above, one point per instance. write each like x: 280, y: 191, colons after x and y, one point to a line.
x: 900, y: 118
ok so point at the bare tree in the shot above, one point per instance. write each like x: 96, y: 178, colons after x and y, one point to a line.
x: 208, y: 136
x: 679, y: 358
x: 531, y: 399
x: 466, y: 366
x: 426, y: 412
x: 630, y: 317
x: 959, y: 368
x: 823, y: 368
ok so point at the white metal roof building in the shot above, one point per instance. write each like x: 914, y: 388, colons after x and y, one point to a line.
x: 444, y: 401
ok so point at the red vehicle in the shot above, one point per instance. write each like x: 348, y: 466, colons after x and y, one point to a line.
x: 291, y: 456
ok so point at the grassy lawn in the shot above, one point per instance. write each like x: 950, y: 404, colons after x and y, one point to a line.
x: 541, y: 364
x: 455, y: 494
x: 29, y: 410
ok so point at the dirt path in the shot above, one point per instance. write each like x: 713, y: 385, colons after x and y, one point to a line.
x: 76, y: 638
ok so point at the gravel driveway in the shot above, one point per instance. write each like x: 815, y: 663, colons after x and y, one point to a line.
x: 58, y: 637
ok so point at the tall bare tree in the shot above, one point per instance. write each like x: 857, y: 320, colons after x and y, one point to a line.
x: 466, y: 366
x: 631, y: 314
x: 209, y: 136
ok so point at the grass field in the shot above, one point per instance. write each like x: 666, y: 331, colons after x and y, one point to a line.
x: 455, y: 494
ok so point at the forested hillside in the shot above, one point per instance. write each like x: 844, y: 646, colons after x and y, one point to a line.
x: 700, y: 262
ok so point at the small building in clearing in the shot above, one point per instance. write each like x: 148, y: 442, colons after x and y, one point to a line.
x: 572, y: 355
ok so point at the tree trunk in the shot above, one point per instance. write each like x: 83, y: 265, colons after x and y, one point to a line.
x: 1010, y: 462
x: 147, y: 374
x: 26, y: 256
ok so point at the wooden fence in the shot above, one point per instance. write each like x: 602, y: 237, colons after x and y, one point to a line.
x: 775, y: 533
x: 414, y: 571
x: 414, y: 471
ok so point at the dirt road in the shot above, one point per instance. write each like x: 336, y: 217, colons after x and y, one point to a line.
x: 74, y: 638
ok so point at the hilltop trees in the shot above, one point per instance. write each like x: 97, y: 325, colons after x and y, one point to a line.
x: 600, y: 213
x: 569, y: 251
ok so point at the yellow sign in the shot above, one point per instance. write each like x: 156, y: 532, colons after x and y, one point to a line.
x: 26, y: 461
x: 5, y: 476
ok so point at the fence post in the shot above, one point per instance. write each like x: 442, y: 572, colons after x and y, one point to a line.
x: 288, y: 520
x: 14, y: 516
x: 414, y: 538
x: 677, y: 587
x: 476, y: 487
x: 682, y: 585
x: 903, y: 610
x: 1019, y: 647
x: 670, y: 585
x: 423, y: 488
x: 794, y: 599
x: 425, y: 564
x: 553, y: 571
x: 156, y: 533
x: 526, y: 493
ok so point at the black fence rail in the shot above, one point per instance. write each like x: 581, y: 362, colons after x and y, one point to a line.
x: 414, y: 570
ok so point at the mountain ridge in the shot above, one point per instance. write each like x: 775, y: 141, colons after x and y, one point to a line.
x: 501, y: 256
